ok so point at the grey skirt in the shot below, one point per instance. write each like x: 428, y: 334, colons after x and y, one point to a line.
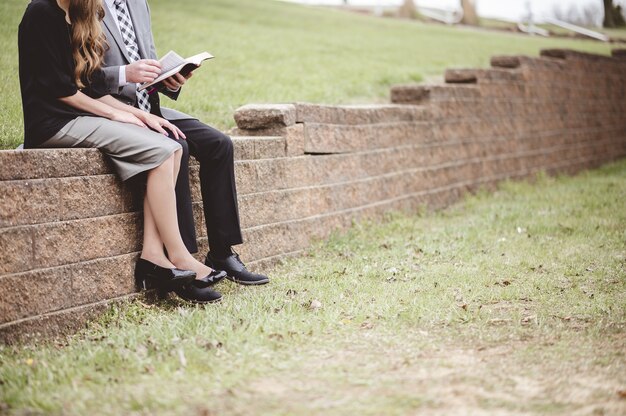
x: 132, y: 149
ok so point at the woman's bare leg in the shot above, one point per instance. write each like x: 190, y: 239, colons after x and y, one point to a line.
x: 161, y: 199
x: 152, y: 249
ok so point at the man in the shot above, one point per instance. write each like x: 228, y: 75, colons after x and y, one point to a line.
x: 130, y: 60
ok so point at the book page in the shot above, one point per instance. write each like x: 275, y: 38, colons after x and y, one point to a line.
x: 197, y: 59
x: 170, y: 61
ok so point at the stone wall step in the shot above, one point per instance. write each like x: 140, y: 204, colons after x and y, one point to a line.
x: 359, y: 114
x: 62, y: 163
x: 62, y: 199
x: 250, y: 148
x: 424, y: 94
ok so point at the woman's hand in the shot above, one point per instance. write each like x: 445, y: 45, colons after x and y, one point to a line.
x: 126, y: 117
x: 160, y: 124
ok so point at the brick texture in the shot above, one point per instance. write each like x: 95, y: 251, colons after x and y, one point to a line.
x: 70, y: 233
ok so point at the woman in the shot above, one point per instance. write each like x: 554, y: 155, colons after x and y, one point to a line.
x: 60, y: 52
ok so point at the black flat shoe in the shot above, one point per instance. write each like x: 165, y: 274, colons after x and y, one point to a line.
x: 210, y: 279
x: 200, y: 295
x: 236, y: 271
x: 151, y: 276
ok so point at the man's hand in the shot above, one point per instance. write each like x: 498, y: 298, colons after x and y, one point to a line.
x: 176, y: 81
x: 143, y: 70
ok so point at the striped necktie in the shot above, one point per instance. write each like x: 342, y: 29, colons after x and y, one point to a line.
x: 130, y: 40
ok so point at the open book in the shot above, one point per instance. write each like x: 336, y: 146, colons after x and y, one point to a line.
x: 172, y: 63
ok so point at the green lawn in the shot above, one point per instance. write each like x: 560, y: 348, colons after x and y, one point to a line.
x: 509, y: 303
x: 276, y: 52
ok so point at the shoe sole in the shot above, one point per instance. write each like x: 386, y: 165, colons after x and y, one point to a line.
x: 247, y: 283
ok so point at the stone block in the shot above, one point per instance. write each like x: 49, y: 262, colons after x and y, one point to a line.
x: 16, y: 246
x: 410, y: 94
x: 460, y: 76
x: 33, y: 293
x: 30, y: 201
x: 359, y: 114
x: 334, y: 138
x: 269, y: 147
x: 52, y: 163
x: 507, y: 61
x: 94, y: 196
x: 68, y: 242
x: 263, y: 116
x: 258, y: 147
x: 243, y: 148
x: 103, y: 278
x: 294, y: 140
x: 422, y: 94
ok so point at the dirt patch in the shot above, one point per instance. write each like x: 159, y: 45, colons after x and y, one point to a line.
x: 430, y: 375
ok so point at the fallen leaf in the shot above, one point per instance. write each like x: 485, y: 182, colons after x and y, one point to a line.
x: 367, y: 325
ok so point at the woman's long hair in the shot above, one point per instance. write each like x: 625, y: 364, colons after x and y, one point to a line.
x: 88, y: 42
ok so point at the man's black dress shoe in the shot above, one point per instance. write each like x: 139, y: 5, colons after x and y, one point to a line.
x: 151, y: 276
x: 191, y: 292
x: 210, y: 279
x: 236, y: 270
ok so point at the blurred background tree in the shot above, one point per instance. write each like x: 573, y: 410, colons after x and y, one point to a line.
x: 613, y: 16
x: 470, y: 17
x: 407, y: 10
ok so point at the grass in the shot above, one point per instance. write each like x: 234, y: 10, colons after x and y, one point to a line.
x: 513, y: 302
x: 271, y: 51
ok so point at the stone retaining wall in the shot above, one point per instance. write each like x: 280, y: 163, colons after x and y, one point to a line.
x: 69, y: 232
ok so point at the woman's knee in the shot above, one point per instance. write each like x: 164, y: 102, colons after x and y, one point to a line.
x: 179, y: 155
x: 168, y: 163
x: 172, y: 159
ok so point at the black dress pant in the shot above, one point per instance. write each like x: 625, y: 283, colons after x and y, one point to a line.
x: 214, y: 150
